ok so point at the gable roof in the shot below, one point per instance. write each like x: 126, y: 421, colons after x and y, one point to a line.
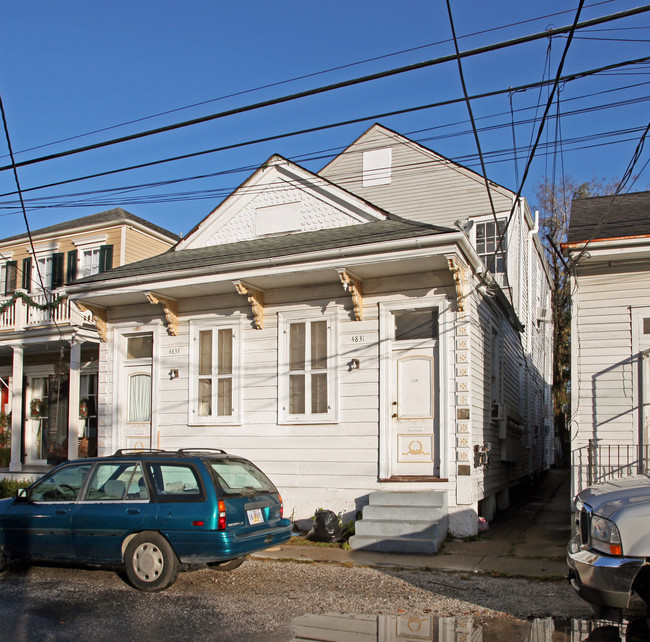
x: 114, y: 216
x: 609, y: 217
x: 277, y: 167
x: 221, y: 257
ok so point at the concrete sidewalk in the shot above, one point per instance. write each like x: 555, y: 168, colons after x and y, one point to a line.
x: 528, y: 540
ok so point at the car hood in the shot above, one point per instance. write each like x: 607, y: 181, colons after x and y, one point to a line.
x: 4, y: 504
x: 607, y: 498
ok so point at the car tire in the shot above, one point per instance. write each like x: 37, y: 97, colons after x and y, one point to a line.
x: 230, y: 565
x: 150, y: 562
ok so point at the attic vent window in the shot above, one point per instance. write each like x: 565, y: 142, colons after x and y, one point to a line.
x: 278, y: 219
x: 377, y: 167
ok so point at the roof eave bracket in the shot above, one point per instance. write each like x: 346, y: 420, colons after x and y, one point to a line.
x: 352, y: 285
x: 256, y: 300
x: 170, y: 308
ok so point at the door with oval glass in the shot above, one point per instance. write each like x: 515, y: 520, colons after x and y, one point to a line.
x: 414, y: 398
x: 136, y: 409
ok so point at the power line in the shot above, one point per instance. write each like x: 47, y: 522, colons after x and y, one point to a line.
x: 338, y: 85
x: 373, y: 117
x: 310, y: 75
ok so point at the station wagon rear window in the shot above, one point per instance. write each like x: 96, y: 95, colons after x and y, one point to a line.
x: 238, y: 477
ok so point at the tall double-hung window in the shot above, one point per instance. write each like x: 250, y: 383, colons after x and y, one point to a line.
x: 307, y: 371
x: 488, y: 239
x: 215, y: 390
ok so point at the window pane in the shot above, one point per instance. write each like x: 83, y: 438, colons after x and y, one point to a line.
x: 117, y: 481
x: 224, y: 397
x: 62, y: 486
x: 225, y: 352
x: 139, y: 347
x: 297, y: 346
x: 241, y: 477
x: 319, y: 345
x: 177, y: 481
x: 319, y: 393
x: 205, y: 397
x: 646, y: 326
x: 297, y: 394
x: 139, y: 398
x: 205, y: 352
x: 416, y: 325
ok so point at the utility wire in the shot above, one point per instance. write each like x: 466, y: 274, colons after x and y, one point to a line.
x: 477, y: 141
x: 374, y: 117
x: 24, y: 211
x: 549, y: 103
x: 340, y: 85
x: 310, y: 75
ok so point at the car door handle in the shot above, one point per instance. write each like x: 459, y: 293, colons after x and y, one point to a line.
x: 60, y: 511
x: 132, y: 511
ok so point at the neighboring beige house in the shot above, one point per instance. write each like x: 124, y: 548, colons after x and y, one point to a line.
x: 48, y: 346
x: 608, y: 247
x: 341, y: 329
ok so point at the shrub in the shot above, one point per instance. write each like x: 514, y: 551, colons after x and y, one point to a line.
x: 8, y: 487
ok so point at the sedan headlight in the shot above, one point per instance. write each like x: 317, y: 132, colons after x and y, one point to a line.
x: 605, y: 536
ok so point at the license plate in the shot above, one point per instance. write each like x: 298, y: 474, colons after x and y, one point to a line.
x: 255, y: 516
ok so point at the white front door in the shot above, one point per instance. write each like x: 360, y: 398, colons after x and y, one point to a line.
x: 413, y: 416
x: 36, y: 420
x: 137, y: 409
x: 136, y: 406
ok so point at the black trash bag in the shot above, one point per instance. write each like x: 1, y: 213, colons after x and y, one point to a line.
x: 326, y: 528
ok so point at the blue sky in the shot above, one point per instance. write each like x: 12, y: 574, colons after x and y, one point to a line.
x: 73, y: 71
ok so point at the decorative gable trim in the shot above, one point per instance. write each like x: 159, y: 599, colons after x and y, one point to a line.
x: 278, y: 183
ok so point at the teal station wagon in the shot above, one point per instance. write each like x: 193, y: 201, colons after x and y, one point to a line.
x: 149, y: 511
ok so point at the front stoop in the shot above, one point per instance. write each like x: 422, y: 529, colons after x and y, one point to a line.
x: 402, y: 522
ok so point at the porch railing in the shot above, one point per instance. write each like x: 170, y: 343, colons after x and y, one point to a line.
x: 596, y: 463
x: 22, y: 314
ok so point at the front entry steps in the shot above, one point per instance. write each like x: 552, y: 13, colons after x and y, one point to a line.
x: 402, y: 522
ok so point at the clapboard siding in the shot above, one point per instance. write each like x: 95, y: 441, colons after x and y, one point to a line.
x: 424, y: 186
x: 605, y: 372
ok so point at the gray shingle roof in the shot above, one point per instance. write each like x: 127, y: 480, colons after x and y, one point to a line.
x: 625, y: 215
x: 116, y: 215
x: 276, y: 246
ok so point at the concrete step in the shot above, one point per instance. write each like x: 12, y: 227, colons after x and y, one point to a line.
x: 395, y: 545
x: 374, y: 528
x: 408, y: 498
x: 402, y: 522
x: 405, y: 513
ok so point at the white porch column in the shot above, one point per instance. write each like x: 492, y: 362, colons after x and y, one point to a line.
x: 16, y: 409
x: 73, y: 400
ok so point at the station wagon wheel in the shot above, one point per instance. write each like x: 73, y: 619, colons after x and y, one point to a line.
x: 230, y: 565
x: 150, y: 562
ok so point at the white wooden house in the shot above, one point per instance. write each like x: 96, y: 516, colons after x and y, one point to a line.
x: 341, y: 330
x: 608, y: 246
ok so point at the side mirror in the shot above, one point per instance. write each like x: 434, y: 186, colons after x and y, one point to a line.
x: 21, y: 493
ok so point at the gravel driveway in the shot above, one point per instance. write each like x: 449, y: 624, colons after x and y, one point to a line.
x: 258, y: 601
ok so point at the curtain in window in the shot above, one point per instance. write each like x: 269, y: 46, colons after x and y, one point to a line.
x: 139, y: 398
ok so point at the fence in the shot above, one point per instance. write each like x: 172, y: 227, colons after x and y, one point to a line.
x: 596, y: 463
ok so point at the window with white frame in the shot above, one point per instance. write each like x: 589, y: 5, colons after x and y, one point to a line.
x: 307, y: 384
x: 215, y: 374
x: 488, y: 239
x: 90, y: 262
